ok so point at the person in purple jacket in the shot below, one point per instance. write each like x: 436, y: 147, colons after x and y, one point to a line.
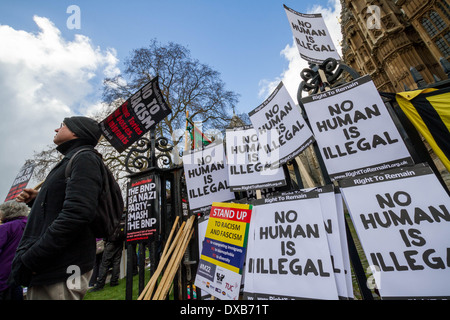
x: 13, y: 217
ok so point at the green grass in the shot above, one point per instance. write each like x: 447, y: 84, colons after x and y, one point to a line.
x: 117, y: 292
x: 362, y: 257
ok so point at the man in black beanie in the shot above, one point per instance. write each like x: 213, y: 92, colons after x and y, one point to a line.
x: 84, y: 128
x: 56, y: 255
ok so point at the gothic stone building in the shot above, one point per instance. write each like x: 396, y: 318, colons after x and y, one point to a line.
x: 385, y: 38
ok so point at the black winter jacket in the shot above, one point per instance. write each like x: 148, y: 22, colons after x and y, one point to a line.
x: 58, y: 235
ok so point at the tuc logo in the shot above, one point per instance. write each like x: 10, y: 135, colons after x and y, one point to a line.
x: 229, y: 287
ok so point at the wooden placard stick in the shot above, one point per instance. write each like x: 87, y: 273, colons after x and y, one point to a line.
x: 166, y: 247
x: 166, y: 279
x: 39, y: 185
x: 171, y: 271
x: 152, y: 282
x: 161, y: 262
x: 304, y: 174
x: 175, y: 266
x: 176, y: 246
x: 185, y: 132
x: 324, y: 79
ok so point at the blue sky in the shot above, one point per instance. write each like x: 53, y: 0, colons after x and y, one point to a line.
x: 48, y: 71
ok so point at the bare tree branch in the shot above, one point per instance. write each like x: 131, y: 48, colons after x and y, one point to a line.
x: 185, y: 83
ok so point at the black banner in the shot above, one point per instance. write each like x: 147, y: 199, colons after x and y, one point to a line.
x: 135, y: 117
x: 141, y: 218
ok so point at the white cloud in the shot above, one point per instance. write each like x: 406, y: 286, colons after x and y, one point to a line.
x: 331, y: 15
x: 44, y: 78
x: 291, y: 76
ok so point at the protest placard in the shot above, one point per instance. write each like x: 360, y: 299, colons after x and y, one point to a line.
x: 333, y: 219
x: 223, y: 252
x: 333, y: 216
x: 135, y: 117
x: 206, y: 176
x: 344, y: 245
x: 282, y: 131
x: 288, y: 256
x: 312, y: 37
x: 354, y: 130
x: 21, y: 180
x: 402, y: 219
x: 246, y: 171
x: 141, y: 219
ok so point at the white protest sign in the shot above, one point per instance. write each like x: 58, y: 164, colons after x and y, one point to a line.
x: 287, y: 254
x: 206, y: 176
x: 282, y: 131
x: 354, y: 130
x: 402, y: 217
x: 246, y: 171
x: 333, y: 219
x: 333, y: 216
x: 311, y: 36
x: 344, y: 246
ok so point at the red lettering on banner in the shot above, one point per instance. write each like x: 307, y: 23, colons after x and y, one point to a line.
x: 113, y: 126
x: 124, y: 126
x: 135, y: 126
x: 141, y: 182
x: 125, y: 111
x: 117, y: 132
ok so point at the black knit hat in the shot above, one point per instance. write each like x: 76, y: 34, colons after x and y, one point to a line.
x: 84, y: 128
